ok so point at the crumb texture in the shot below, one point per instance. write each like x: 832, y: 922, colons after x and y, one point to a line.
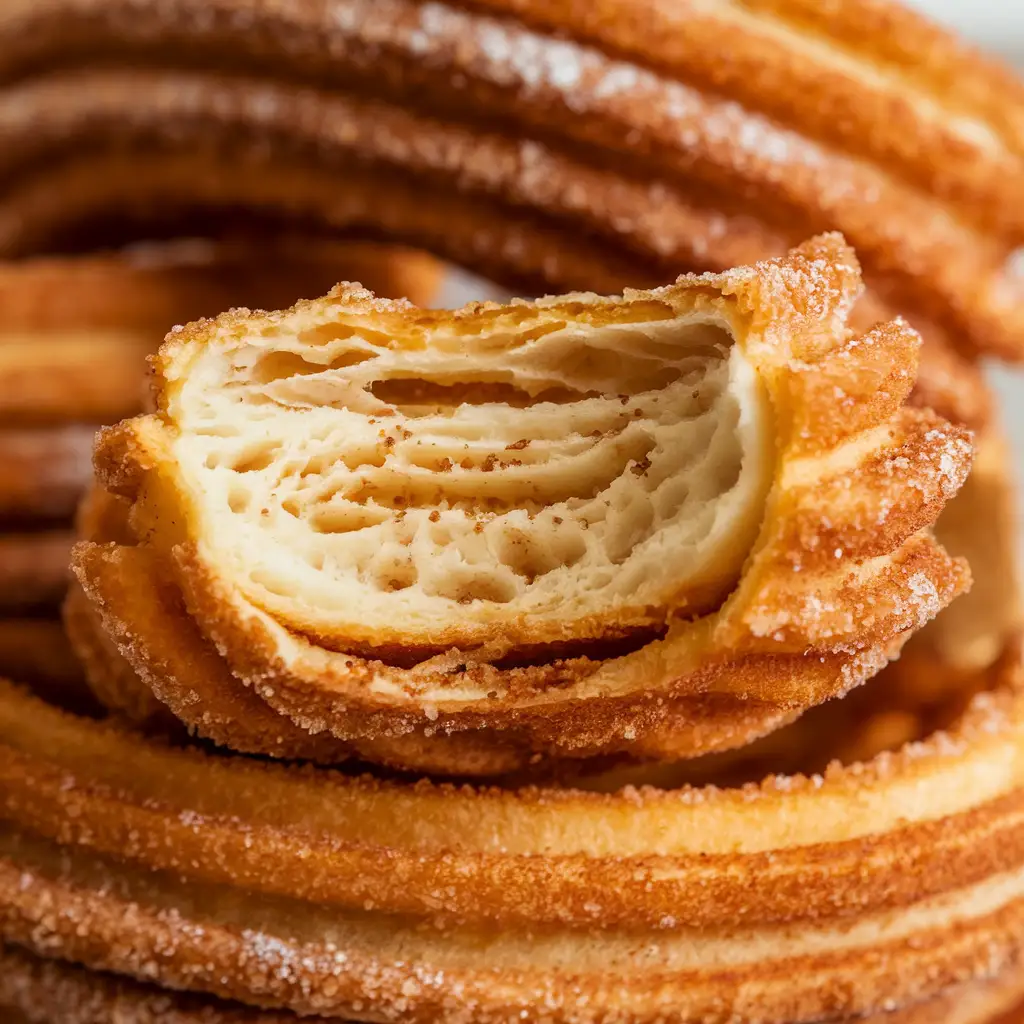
x: 555, y: 467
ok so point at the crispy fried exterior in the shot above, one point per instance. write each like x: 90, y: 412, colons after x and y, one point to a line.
x: 672, y: 698
x: 869, y: 887
x: 974, y: 631
x: 980, y: 524
x: 111, y: 679
x: 76, y: 331
x: 38, y: 991
x: 136, y: 641
x: 809, y: 127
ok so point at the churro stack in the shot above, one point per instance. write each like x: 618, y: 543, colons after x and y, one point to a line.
x: 75, y: 336
x: 648, y: 653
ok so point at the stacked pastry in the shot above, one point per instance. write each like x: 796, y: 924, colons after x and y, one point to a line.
x: 553, y: 627
x: 75, y: 336
x: 555, y: 145
x: 646, y: 521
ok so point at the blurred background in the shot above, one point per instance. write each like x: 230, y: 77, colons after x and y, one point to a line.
x: 997, y: 25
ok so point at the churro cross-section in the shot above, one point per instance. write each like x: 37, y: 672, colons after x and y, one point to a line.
x: 561, y: 519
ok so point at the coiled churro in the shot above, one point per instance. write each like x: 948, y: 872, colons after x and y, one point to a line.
x: 40, y: 991
x: 870, y: 886
x: 651, y: 144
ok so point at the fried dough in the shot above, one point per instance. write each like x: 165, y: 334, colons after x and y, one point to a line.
x: 872, y: 886
x: 810, y: 126
x: 146, y: 289
x: 75, y: 332
x: 881, y: 473
x: 38, y: 991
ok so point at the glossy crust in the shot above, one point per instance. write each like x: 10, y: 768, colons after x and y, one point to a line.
x: 820, y: 126
x: 871, y: 886
x: 892, y: 480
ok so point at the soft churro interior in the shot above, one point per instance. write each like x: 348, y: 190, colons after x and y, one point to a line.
x: 565, y: 470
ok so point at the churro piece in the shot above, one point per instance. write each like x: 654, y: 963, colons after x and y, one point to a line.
x: 38, y: 991
x: 76, y: 331
x: 872, y: 886
x: 474, y: 523
x: 145, y: 289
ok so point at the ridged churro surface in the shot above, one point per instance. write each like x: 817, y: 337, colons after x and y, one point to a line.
x: 872, y: 122
x: 873, y: 885
x: 591, y: 563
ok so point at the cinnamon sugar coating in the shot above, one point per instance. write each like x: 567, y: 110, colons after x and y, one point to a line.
x: 859, y: 475
x: 871, y: 886
x: 890, y: 132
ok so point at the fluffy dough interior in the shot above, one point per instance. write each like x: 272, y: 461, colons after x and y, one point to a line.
x: 528, y: 475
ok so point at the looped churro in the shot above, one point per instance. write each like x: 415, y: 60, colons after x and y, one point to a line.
x: 889, y: 132
x: 40, y: 991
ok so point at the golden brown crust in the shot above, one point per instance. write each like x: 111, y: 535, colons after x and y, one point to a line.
x: 111, y: 680
x: 168, y: 657
x: 76, y: 331
x: 980, y: 524
x: 928, y: 197
x: 145, y: 290
x: 38, y: 991
x: 794, y: 596
x: 902, y: 877
x: 833, y: 78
